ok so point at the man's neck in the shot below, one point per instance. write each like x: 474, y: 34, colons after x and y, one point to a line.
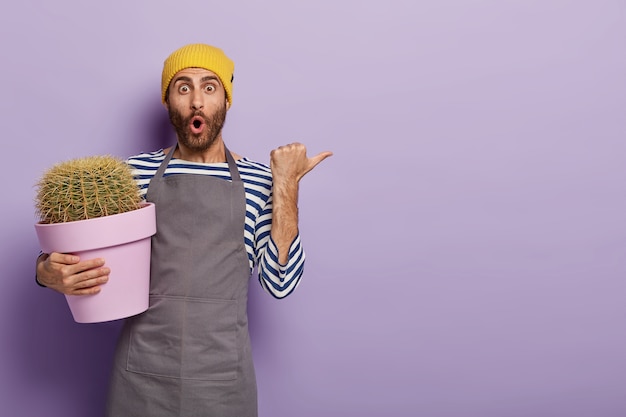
x: 216, y: 153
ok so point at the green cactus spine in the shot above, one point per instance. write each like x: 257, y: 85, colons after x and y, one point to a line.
x: 86, y: 188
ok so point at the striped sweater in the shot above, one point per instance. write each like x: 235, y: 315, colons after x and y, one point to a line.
x: 278, y: 280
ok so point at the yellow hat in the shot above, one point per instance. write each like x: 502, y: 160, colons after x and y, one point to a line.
x: 199, y: 56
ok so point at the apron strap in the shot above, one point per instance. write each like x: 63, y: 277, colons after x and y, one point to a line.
x: 165, y: 163
x: 232, y: 166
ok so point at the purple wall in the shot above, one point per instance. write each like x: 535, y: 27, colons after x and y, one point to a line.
x: 466, y: 243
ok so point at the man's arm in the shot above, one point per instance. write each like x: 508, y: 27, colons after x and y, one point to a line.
x: 288, y: 164
x: 69, y: 275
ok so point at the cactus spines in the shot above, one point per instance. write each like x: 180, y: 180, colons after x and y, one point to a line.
x: 86, y: 188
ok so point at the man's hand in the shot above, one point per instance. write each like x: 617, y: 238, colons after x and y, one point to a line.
x: 69, y: 275
x: 290, y: 163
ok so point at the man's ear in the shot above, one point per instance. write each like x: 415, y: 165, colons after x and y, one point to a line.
x: 166, y: 102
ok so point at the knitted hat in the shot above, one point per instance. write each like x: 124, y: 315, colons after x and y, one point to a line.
x: 199, y: 56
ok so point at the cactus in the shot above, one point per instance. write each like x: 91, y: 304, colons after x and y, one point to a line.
x: 86, y: 188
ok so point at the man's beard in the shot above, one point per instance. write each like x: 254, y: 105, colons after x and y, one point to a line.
x: 203, y: 141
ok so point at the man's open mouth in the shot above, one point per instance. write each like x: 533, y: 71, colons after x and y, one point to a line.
x: 197, y: 124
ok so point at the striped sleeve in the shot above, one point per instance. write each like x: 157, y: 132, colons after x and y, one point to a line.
x: 278, y: 280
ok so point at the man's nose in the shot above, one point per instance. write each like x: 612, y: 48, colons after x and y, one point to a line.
x: 196, y: 100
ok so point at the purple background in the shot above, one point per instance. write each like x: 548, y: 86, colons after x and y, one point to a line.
x: 465, y: 243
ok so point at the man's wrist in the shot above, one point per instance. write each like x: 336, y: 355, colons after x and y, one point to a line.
x: 40, y: 259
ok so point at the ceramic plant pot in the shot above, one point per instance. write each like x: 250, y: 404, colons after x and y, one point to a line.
x: 123, y: 240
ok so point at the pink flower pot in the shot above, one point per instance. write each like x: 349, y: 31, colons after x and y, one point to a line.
x: 123, y: 240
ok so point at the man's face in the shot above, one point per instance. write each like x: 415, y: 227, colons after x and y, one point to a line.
x: 197, y: 107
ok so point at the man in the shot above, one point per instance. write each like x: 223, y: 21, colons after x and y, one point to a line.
x: 218, y: 215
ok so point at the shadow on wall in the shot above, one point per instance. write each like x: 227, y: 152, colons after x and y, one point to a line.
x: 153, y: 131
x: 57, y: 358
x: 262, y: 329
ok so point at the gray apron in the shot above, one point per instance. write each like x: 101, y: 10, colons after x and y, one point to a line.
x: 189, y: 353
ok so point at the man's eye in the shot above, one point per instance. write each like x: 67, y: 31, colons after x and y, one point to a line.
x: 183, y: 89
x: 209, y: 88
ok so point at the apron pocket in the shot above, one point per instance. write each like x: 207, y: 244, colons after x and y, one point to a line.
x: 185, y: 338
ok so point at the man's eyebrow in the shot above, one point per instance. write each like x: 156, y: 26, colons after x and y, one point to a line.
x: 210, y: 78
x: 182, y: 78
